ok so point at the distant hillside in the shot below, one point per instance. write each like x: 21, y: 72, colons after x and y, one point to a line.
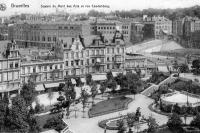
x: 169, y: 13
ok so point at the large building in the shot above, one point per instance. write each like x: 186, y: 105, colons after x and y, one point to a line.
x: 45, y: 34
x: 161, y: 24
x: 10, y: 68
x: 93, y: 54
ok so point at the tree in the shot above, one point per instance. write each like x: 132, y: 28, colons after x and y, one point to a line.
x: 94, y: 91
x: 102, y: 88
x: 196, y: 66
x: 121, y: 80
x: 183, y: 68
x: 55, y: 122
x: 18, y: 115
x: 175, y: 65
x: 3, y: 113
x: 120, y: 126
x: 50, y: 95
x: 84, y: 99
x: 196, y: 121
x: 130, y: 121
x: 60, y: 87
x: 34, y: 127
x: 88, y: 79
x: 28, y: 92
x: 176, y: 109
x: 137, y: 114
x: 174, y: 121
x: 152, y: 125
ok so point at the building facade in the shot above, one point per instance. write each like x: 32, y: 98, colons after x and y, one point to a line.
x: 162, y: 24
x: 10, y: 70
x: 45, y: 34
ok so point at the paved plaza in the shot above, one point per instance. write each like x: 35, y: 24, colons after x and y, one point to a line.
x: 90, y: 125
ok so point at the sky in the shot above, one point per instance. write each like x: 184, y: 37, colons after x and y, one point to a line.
x: 110, y: 5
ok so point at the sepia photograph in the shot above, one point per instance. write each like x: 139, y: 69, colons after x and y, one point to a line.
x: 99, y: 66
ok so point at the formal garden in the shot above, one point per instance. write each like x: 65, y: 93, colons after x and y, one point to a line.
x: 109, y: 106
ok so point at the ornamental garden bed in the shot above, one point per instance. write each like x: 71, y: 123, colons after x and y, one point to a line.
x: 111, y: 124
x: 109, y: 106
x: 43, y: 119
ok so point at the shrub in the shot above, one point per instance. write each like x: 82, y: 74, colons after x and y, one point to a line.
x: 196, y: 121
x: 53, y: 122
x: 174, y: 122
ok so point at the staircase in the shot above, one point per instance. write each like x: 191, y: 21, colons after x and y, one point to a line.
x: 153, y: 88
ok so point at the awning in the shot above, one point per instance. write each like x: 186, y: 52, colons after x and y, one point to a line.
x: 2, y: 88
x: 51, y: 85
x: 83, y: 80
x: 39, y: 87
x: 99, y: 77
x: 163, y: 69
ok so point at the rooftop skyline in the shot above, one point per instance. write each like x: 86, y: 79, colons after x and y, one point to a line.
x: 35, y: 5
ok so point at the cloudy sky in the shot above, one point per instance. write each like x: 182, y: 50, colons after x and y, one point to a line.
x: 35, y: 5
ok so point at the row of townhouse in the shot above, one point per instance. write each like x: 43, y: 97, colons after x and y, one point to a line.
x: 74, y: 57
x: 93, y: 54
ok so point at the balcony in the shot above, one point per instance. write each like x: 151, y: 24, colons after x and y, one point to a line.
x: 97, y: 56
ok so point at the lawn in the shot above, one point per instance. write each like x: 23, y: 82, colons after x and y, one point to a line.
x: 109, y: 106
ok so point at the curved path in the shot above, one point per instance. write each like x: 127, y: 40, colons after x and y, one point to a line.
x: 90, y: 125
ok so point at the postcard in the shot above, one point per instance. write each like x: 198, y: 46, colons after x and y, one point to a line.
x: 99, y: 66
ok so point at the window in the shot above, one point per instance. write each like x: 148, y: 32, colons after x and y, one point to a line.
x: 72, y: 55
x: 87, y: 53
x: 54, y: 39
x: 122, y: 50
x: 11, y: 65
x: 82, y: 54
x: 97, y: 52
x: 43, y: 38
x: 108, y: 50
x: 23, y: 70
x: 71, y: 28
x: 28, y: 69
x: 118, y: 50
x: 67, y: 55
x: 39, y: 68
x: 65, y: 27
x: 88, y: 61
x: 113, y: 58
x: 61, y: 66
x: 34, y: 69
x: 56, y: 67
x: 60, y: 27
x: 81, y: 62
x: 72, y: 63
x: 93, y: 61
x: 113, y: 50
x: 50, y: 67
x: 102, y: 52
x: 45, y: 68
x: 49, y: 39
x: 108, y: 59
x: 77, y: 55
x: 77, y: 63
x: 108, y: 66
x: 93, y: 52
